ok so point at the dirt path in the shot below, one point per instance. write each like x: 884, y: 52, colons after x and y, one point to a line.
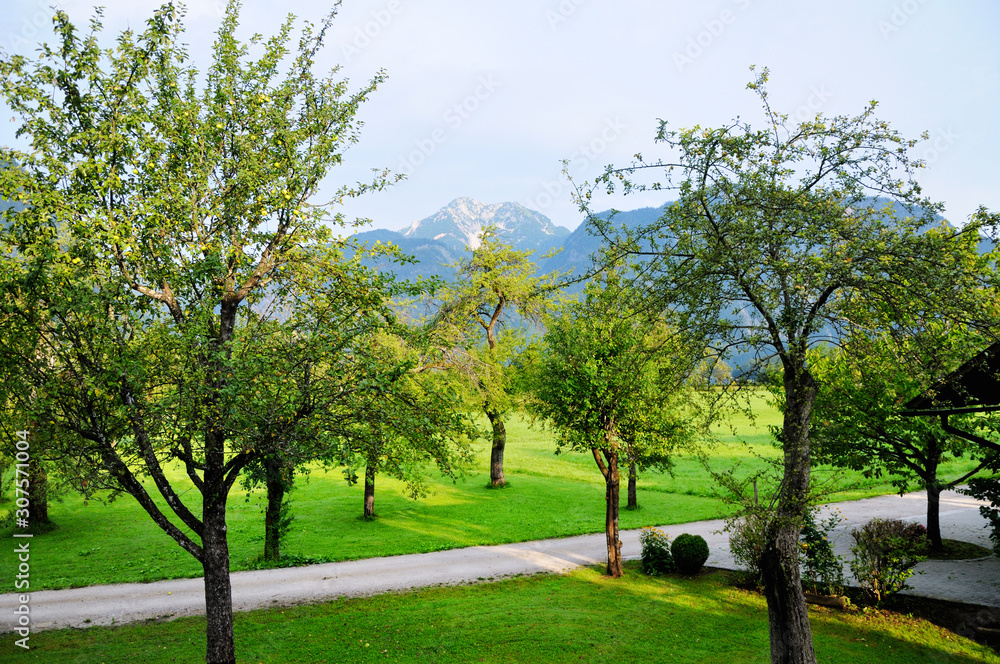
x: 972, y: 581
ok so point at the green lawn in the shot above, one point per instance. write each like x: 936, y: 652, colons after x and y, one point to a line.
x: 550, y: 496
x: 582, y: 616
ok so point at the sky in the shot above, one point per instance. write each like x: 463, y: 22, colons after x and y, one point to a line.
x: 485, y: 99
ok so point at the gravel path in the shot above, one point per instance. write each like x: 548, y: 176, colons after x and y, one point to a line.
x: 970, y: 581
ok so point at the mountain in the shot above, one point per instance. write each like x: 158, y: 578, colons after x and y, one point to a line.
x: 441, y: 239
x: 433, y: 257
x: 579, y: 248
x: 460, y: 224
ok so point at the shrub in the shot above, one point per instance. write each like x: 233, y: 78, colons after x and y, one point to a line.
x: 916, y: 534
x: 885, y: 553
x: 822, y: 569
x: 690, y: 553
x: 656, y: 556
x: 746, y: 542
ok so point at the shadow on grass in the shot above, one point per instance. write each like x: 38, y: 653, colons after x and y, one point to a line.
x: 581, y: 616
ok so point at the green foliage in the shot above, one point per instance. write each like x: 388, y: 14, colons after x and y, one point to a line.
x: 496, y: 293
x: 610, y: 380
x: 776, y: 241
x: 656, y: 556
x: 481, y: 323
x: 556, y: 496
x: 690, y: 553
x: 414, y: 418
x: 885, y: 553
x: 191, y: 298
x: 747, y: 538
x: 822, y: 569
x: 776, y: 234
x: 864, y: 387
x: 988, y: 488
x: 608, y: 377
x: 171, y: 284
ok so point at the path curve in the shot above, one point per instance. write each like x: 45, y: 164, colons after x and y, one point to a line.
x: 971, y: 581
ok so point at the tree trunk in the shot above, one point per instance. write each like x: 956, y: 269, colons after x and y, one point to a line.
x: 38, y: 490
x: 934, y: 516
x: 788, y: 617
x: 633, y: 500
x: 272, y: 516
x: 220, y: 640
x: 612, y: 485
x: 221, y: 643
x: 611, y: 498
x: 370, y: 491
x: 933, y: 487
x: 496, y: 454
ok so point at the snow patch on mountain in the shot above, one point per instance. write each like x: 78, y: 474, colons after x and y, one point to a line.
x: 460, y: 225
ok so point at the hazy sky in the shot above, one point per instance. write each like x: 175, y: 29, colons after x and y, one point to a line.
x: 484, y: 99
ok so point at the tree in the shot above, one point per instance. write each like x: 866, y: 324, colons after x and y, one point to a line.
x: 328, y: 368
x: 609, y: 379
x: 277, y: 474
x: 495, y: 290
x: 633, y: 479
x: 38, y: 481
x: 153, y: 221
x: 857, y: 422
x: 31, y: 473
x: 774, y: 244
x: 413, y: 420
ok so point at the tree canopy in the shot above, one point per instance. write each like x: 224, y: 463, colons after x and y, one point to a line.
x: 858, y: 422
x: 172, y: 288
x: 784, y: 236
x: 481, y: 323
x: 611, y: 382
x: 415, y: 420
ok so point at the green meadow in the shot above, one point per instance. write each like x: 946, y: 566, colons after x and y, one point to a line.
x: 549, y: 495
x: 582, y: 616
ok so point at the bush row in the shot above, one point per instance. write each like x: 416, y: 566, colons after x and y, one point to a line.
x: 687, y: 554
x: 884, y: 552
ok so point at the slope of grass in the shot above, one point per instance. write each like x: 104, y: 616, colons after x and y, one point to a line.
x: 550, y: 496
x: 580, y: 617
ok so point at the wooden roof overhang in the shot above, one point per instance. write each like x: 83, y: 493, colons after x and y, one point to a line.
x: 973, y: 387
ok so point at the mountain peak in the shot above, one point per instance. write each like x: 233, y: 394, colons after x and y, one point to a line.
x: 460, y: 224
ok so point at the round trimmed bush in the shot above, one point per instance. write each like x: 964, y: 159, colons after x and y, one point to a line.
x: 690, y: 552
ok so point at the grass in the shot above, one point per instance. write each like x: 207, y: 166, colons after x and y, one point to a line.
x: 958, y: 550
x: 550, y: 496
x: 582, y: 616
